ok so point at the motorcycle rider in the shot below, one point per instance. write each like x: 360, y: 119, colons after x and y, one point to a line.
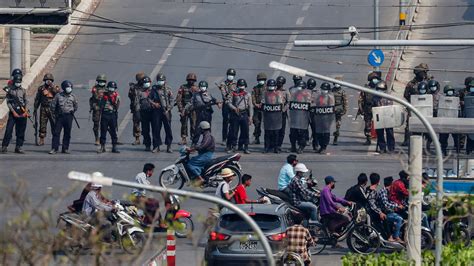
x: 241, y: 107
x: 227, y: 87
x: 205, y: 148
x: 98, y: 211
x: 300, y: 100
x: 201, y: 105
x: 390, y: 138
x: 108, y: 107
x: 340, y: 108
x: 287, y: 172
x: 450, y: 92
x: 43, y: 98
x: 257, y: 93
x: 162, y: 98
x: 323, y: 108
x: 365, y: 104
x: 97, y: 92
x: 17, y: 115
x: 328, y: 208
x: 299, y: 239
x: 64, y: 105
x: 183, y: 97
x: 376, y: 214
x: 389, y: 208
x: 135, y: 107
x: 286, y: 97
x: 301, y: 196
x: 272, y: 106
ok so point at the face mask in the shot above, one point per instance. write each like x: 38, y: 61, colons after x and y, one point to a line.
x: 146, y: 85
x: 261, y: 82
x: 433, y: 89
x: 324, y: 91
x: 375, y: 81
x: 101, y: 84
x: 111, y: 89
x: 271, y: 88
x: 241, y: 88
x: 422, y: 91
x: 48, y: 82
x: 160, y: 82
x: 203, y: 89
x: 471, y: 89
x: 68, y: 90
x: 299, y: 88
x: 230, y: 77
x: 18, y: 84
x: 450, y: 93
x: 337, y: 86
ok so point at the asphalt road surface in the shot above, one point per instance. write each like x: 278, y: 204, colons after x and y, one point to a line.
x: 121, y: 54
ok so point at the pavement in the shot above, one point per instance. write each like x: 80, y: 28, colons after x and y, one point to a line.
x: 121, y: 54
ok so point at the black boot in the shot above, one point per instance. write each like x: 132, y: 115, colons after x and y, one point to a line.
x: 246, y: 149
x: 257, y: 140
x: 300, y: 150
x: 101, y: 149
x: 293, y: 147
x: 114, y: 149
x: 367, y: 141
x: 334, y: 142
x: 168, y: 148
x: 4, y: 149
x: 19, y: 150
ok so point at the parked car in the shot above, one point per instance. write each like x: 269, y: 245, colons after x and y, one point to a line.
x: 232, y: 242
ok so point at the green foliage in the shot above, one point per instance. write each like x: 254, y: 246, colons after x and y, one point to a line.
x: 453, y: 255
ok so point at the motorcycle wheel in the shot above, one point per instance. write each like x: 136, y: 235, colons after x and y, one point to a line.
x: 292, y: 258
x: 184, y: 227
x: 363, y: 239
x: 317, y: 232
x: 238, y: 176
x: 168, y: 179
x: 69, y: 239
x: 457, y: 234
x: 427, y: 240
x: 133, y: 243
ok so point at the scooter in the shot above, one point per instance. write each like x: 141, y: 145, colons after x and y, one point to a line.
x: 180, y: 219
x: 177, y: 174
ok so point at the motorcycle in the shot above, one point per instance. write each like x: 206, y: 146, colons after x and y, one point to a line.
x: 177, y: 174
x: 76, y: 231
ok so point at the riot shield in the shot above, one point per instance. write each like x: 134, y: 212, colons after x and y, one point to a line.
x: 390, y: 116
x: 448, y: 106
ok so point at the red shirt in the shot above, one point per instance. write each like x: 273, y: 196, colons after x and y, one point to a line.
x: 398, y: 192
x: 240, y: 195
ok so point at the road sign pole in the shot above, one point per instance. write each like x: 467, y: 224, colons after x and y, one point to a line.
x: 15, y: 48
x: 415, y: 198
x: 376, y: 24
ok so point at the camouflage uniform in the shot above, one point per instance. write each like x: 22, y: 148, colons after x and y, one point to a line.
x: 97, y: 94
x: 43, y: 99
x: 365, y: 109
x: 257, y: 94
x: 340, y: 106
x: 183, y: 97
x: 132, y: 95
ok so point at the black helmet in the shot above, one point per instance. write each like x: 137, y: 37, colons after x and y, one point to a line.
x: 160, y: 77
x: 296, y: 79
x: 241, y: 82
x: 48, y: 76
x: 17, y: 71
x: 325, y: 86
x: 381, y: 86
x: 65, y: 84
x: 422, y: 87
x: 231, y: 72
x: 448, y: 88
x: 145, y: 79
x: 112, y: 84
x: 374, y: 74
x: 311, y: 84
x: 17, y: 78
x: 301, y: 84
x: 468, y: 80
x: 271, y: 82
x: 433, y: 84
x: 281, y: 80
x: 203, y: 83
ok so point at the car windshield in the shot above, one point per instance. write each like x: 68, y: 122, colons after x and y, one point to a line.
x: 234, y: 223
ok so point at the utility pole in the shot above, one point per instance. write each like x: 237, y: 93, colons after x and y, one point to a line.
x: 415, y: 198
x: 15, y: 48
x: 26, y: 49
x: 376, y: 24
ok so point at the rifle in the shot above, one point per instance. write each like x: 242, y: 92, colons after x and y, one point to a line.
x: 35, y: 126
x: 75, y: 120
x: 359, y: 112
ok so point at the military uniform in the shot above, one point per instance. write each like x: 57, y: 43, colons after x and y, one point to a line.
x: 365, y: 109
x: 201, y: 105
x: 64, y: 106
x: 272, y: 105
x: 183, y: 97
x: 109, y: 105
x: 226, y: 88
x: 299, y: 106
x: 97, y: 94
x: 340, y: 106
x: 240, y: 105
x: 135, y: 110
x: 257, y: 94
x: 16, y: 102
x: 43, y: 98
x: 163, y: 96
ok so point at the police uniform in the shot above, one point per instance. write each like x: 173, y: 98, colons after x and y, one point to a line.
x: 385, y: 136
x: 240, y: 105
x: 226, y: 88
x: 162, y: 96
x: 109, y: 105
x: 257, y: 94
x: 64, y: 106
x: 286, y: 100
x: 443, y: 137
x: 97, y: 94
x: 183, y: 97
x: 340, y: 106
x: 300, y: 101
x: 272, y: 106
x: 146, y: 118
x: 43, y: 98
x: 324, y: 116
x: 16, y: 102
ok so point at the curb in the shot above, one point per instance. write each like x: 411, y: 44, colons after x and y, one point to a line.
x: 57, y: 45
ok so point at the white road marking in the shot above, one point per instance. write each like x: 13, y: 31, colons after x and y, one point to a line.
x: 306, y: 6
x: 299, y: 21
x: 125, y: 38
x: 161, y: 62
x: 192, y: 9
x: 288, y: 47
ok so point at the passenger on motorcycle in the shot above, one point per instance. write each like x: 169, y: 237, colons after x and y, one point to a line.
x: 240, y: 196
x: 389, y: 207
x: 299, y: 239
x: 287, y: 173
x: 301, y: 196
x: 98, y: 210
x: 223, y: 190
x: 399, y: 192
x: 328, y: 208
x: 205, y: 148
x: 356, y: 193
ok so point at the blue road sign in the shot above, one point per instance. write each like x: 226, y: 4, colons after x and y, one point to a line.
x: 375, y: 57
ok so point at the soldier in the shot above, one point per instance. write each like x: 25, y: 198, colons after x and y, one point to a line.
x: 314, y: 90
x: 365, y: 104
x: 449, y: 93
x: 463, y: 92
x: 44, y: 96
x: 97, y: 93
x: 146, y: 113
x: 183, y: 97
x: 324, y: 117
x: 17, y: 115
x: 108, y: 106
x: 226, y: 88
x: 340, y: 100
x: 421, y: 74
x: 162, y: 102
x: 386, y: 140
x: 433, y: 89
x: 257, y: 93
x: 286, y: 99
x: 201, y: 104
x: 272, y: 116
x: 64, y: 105
x: 300, y: 101
x: 240, y: 104
x: 134, y: 106
x: 468, y: 107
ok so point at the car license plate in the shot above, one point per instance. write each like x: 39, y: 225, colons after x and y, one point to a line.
x: 248, y: 245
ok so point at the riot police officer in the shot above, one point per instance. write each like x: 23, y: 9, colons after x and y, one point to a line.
x: 183, y: 97
x: 226, y: 88
x: 17, y: 115
x: 433, y: 89
x: 300, y: 100
x: 97, y: 93
x: 286, y: 99
x: 64, y: 105
x: 314, y: 90
x: 323, y: 107
x: 162, y: 102
x: 462, y: 93
x: 451, y: 96
x: 43, y: 98
x: 365, y: 104
x: 201, y: 104
x: 135, y: 107
x: 296, y: 81
x: 468, y: 112
x: 241, y: 106
x: 272, y: 104
x: 257, y: 93
x: 146, y: 113
x: 340, y: 99
x: 387, y: 140
x: 108, y: 106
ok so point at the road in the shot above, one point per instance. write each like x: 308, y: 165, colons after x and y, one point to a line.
x: 120, y: 55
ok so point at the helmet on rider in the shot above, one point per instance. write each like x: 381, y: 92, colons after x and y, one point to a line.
x: 204, y: 125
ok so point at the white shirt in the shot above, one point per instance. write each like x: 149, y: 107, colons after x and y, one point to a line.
x: 222, y: 188
x: 141, y: 178
x: 92, y: 203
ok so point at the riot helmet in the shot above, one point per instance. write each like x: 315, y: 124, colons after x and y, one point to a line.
x: 67, y: 86
x: 203, y: 85
x: 296, y: 79
x: 111, y: 86
x: 17, y: 79
x: 17, y: 71
x: 301, y: 85
x: 146, y: 82
x: 433, y: 86
x: 422, y: 88
x: 325, y: 87
x: 311, y: 84
x: 271, y: 84
x: 231, y: 73
x: 48, y: 76
x: 280, y: 81
x: 241, y: 84
x: 468, y: 80
x: 373, y: 78
x: 449, y: 90
x: 160, y: 79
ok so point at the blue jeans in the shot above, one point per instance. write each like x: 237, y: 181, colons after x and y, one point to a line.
x: 197, y: 163
x: 309, y: 209
x: 397, y: 220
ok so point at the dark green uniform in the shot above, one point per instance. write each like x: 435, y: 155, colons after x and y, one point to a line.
x: 257, y: 95
x: 43, y: 99
x: 97, y: 94
x: 340, y: 107
x: 183, y: 97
